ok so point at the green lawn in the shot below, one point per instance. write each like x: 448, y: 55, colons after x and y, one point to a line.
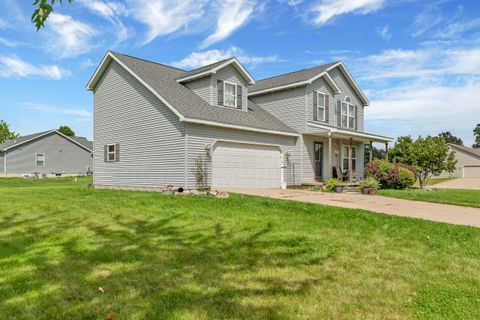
x: 434, y: 181
x: 460, y: 197
x: 160, y: 257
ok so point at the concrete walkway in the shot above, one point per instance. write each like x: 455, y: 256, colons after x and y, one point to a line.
x: 399, y: 207
x: 459, y: 183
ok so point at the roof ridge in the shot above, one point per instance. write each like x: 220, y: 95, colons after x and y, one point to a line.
x: 297, y: 71
x: 210, y: 64
x: 146, y: 60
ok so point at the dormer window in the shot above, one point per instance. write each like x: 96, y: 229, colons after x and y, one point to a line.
x: 229, y: 94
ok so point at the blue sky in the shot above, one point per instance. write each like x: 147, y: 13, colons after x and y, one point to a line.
x: 418, y: 61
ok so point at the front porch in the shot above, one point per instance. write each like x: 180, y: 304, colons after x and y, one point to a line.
x: 336, y: 153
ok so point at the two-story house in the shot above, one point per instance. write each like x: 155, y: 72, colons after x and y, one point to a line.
x: 155, y: 125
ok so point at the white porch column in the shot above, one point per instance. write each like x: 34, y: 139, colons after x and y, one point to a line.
x: 329, y: 162
x: 350, y: 172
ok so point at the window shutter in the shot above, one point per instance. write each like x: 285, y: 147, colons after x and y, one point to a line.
x: 356, y: 118
x: 339, y: 113
x: 315, y: 106
x: 117, y: 152
x: 220, y: 92
x: 327, y: 108
x: 239, y: 96
x: 105, y: 147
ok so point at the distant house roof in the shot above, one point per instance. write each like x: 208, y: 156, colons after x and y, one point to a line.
x: 188, y: 106
x: 82, y: 141
x: 473, y: 151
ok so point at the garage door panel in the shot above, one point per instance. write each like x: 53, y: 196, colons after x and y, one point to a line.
x: 471, y: 172
x: 246, y: 166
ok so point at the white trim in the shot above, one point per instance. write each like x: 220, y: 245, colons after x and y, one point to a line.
x: 343, y: 157
x: 352, y: 82
x: 186, y: 156
x: 45, y: 134
x: 44, y: 159
x: 114, y: 152
x: 238, y: 65
x: 235, y: 97
x: 331, y: 130
x: 231, y: 126
x: 102, y: 67
x: 301, y: 83
x: 324, y: 95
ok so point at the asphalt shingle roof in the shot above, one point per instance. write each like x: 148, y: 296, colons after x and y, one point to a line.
x: 202, y: 69
x: 81, y: 140
x: 289, y: 78
x: 474, y: 151
x: 161, y: 78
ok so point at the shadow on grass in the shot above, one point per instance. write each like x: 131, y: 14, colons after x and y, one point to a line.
x: 156, y: 268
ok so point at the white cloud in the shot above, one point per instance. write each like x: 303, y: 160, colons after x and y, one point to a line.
x: 111, y: 11
x: 8, y: 43
x: 384, y: 32
x: 325, y: 10
x: 79, y: 112
x: 164, y: 17
x: 3, y: 24
x: 202, y: 58
x: 233, y: 14
x: 456, y: 29
x: 14, y: 67
x: 427, y: 20
x: 426, y: 109
x: 70, y: 38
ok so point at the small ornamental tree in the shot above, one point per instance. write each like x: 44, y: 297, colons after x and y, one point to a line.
x: 430, y: 156
x: 66, y: 131
x: 476, y: 133
x: 5, y: 133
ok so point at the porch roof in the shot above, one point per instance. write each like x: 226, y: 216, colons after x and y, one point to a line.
x: 334, y: 132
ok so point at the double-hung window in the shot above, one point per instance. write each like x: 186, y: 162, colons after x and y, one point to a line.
x: 111, y: 152
x: 348, y: 115
x: 40, y: 159
x: 345, y: 161
x: 321, y: 106
x: 229, y: 94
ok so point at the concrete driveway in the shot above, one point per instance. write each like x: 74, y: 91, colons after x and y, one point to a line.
x: 399, y: 207
x: 459, y: 183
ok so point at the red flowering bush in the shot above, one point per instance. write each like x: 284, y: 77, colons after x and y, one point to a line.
x: 390, y: 175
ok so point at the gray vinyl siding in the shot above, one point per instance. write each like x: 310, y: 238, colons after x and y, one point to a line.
x: 320, y: 85
x: 286, y: 105
x: 308, y: 171
x: 200, y: 136
x: 2, y: 159
x: 463, y: 159
x: 61, y: 156
x: 150, y: 135
x: 202, y: 87
x: 229, y: 73
x: 347, y: 90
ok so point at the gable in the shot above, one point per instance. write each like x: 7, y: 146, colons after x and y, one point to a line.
x: 345, y: 87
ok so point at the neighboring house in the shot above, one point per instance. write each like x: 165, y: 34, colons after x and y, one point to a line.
x: 48, y: 152
x: 468, y: 162
x: 152, y: 122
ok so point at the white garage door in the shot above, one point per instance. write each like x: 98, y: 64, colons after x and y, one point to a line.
x: 471, y: 172
x: 237, y: 165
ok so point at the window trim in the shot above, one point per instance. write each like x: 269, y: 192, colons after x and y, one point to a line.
x: 225, y: 93
x: 44, y: 159
x: 324, y: 112
x: 348, y: 104
x: 114, y: 152
x: 346, y: 156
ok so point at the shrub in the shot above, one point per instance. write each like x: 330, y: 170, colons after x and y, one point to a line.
x: 390, y: 175
x: 370, y: 183
x: 332, y: 183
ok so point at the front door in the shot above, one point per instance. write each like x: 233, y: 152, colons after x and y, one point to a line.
x: 318, y: 156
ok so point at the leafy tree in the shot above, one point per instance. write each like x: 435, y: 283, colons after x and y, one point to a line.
x: 476, y: 133
x: 377, y: 154
x: 450, y: 138
x: 43, y: 10
x: 5, y: 133
x: 66, y: 131
x: 430, y: 156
